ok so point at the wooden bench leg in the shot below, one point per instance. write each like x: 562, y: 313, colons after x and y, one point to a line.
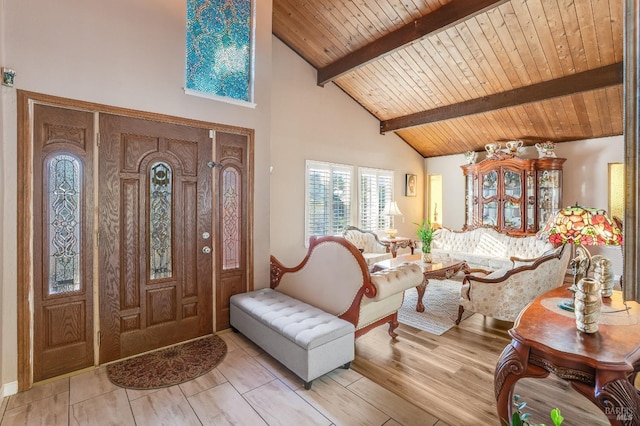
x: 346, y: 366
x: 307, y: 385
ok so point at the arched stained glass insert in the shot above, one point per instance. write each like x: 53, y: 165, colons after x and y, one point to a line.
x: 160, y: 207
x: 219, y: 48
x: 64, y: 199
x: 231, y: 215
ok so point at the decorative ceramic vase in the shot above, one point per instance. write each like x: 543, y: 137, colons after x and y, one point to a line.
x: 470, y: 157
x: 514, y: 146
x: 492, y: 148
x: 603, y: 272
x: 588, y: 304
x: 546, y: 149
x: 427, y: 258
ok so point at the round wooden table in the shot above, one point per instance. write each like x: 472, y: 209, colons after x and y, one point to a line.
x: 601, y: 366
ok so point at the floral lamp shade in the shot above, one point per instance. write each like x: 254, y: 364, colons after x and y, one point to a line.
x: 581, y: 226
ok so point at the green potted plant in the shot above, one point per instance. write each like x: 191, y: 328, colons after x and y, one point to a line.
x: 520, y: 418
x: 425, y: 233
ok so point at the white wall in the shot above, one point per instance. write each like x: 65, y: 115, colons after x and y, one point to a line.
x: 584, y: 180
x: 324, y: 124
x: 122, y: 53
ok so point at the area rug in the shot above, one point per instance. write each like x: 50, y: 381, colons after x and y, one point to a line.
x: 169, y: 366
x: 441, y: 307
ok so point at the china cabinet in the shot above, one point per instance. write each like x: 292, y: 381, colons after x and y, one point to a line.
x: 515, y: 195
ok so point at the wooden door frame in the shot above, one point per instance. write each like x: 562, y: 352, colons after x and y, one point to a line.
x: 25, y: 101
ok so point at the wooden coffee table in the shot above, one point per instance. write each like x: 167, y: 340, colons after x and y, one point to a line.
x: 601, y: 366
x: 441, y: 268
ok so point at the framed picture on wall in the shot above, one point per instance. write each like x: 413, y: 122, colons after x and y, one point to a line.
x: 410, y: 185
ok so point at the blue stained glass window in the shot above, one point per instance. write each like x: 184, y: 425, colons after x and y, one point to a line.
x: 219, y: 42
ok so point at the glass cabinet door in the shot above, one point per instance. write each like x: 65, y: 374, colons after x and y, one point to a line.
x: 489, y: 202
x: 512, y: 201
x: 531, y: 202
x: 469, y: 200
x: 549, y: 194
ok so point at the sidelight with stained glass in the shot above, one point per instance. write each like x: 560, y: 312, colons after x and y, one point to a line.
x: 64, y: 194
x: 160, y: 196
x: 231, y: 216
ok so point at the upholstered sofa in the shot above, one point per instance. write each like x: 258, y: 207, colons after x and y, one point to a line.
x: 486, y: 248
x: 309, y: 318
x: 503, y: 293
x: 368, y: 243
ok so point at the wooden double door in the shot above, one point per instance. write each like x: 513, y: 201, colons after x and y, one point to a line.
x: 126, y: 258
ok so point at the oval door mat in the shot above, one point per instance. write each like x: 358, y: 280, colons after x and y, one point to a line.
x: 169, y: 366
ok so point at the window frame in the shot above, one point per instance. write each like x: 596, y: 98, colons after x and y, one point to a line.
x: 383, y: 221
x: 332, y: 168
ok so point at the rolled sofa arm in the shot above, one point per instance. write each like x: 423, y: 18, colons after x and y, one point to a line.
x: 395, y: 280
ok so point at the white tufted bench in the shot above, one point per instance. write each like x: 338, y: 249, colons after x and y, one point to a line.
x: 305, y: 339
x: 312, y: 313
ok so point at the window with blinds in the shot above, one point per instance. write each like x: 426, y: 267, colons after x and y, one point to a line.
x: 328, y: 198
x: 375, y: 192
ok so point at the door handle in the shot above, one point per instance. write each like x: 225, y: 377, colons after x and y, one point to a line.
x: 206, y: 249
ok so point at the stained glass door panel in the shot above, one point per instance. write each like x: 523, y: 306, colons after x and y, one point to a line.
x: 155, y: 222
x: 62, y: 242
x: 231, y: 202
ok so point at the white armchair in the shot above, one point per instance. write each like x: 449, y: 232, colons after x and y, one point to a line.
x: 368, y: 243
x: 502, y: 294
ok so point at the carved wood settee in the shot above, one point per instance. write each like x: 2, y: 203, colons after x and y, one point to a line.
x: 503, y: 293
x: 309, y: 318
x: 372, y: 249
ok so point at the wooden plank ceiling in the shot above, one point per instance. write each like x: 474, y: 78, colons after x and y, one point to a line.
x: 449, y: 76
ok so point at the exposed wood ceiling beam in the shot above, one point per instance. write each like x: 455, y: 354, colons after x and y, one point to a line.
x: 447, y: 16
x: 597, y: 78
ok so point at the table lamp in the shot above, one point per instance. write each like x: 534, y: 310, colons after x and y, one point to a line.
x: 580, y: 226
x: 391, y: 210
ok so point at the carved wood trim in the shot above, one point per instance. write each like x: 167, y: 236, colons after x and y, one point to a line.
x: 375, y: 236
x: 556, y: 254
x: 352, y: 314
x: 25, y: 235
x: 509, y: 363
x: 620, y: 402
x: 563, y: 372
x: 279, y: 269
x: 391, y: 319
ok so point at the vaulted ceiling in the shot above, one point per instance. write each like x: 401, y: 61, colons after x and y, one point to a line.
x: 449, y: 76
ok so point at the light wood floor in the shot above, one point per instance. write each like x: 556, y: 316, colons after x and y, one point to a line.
x: 247, y: 388
x: 415, y: 380
x: 451, y: 376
